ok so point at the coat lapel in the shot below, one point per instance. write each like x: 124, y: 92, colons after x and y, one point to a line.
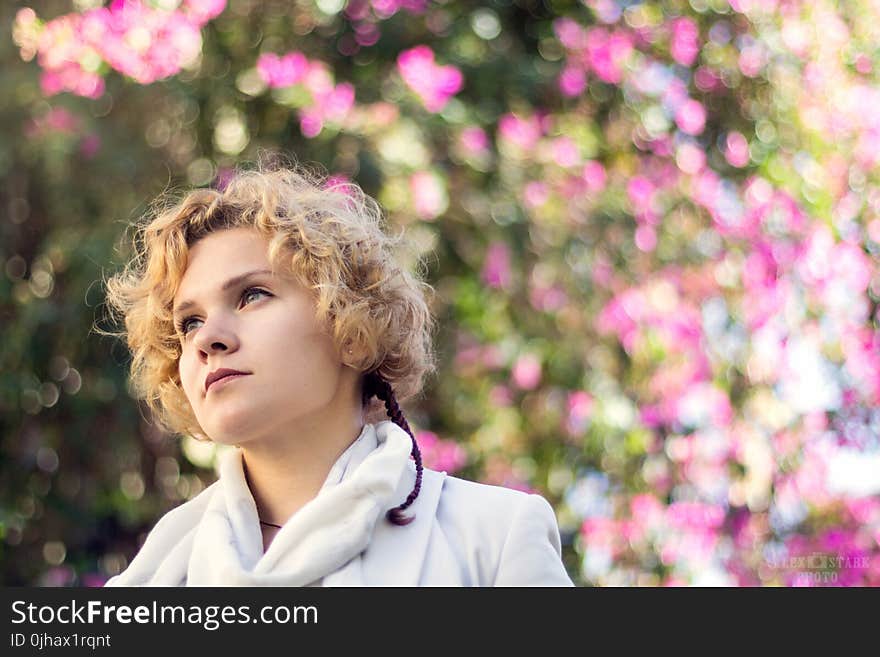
x: 396, y: 555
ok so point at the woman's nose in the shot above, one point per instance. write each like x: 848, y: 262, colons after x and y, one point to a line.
x: 215, y: 337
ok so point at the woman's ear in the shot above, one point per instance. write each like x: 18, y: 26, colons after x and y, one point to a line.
x: 353, y: 355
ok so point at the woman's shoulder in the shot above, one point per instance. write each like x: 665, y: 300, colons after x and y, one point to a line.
x: 502, y: 536
x: 487, y: 505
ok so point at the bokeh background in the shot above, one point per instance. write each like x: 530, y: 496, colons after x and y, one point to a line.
x: 653, y: 229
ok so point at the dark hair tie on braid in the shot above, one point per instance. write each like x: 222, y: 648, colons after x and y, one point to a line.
x: 375, y: 385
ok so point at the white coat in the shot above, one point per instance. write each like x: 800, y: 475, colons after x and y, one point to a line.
x: 463, y: 534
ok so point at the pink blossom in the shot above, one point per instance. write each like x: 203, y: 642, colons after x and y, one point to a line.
x: 500, y: 396
x: 707, y: 80
x: 140, y: 41
x: 387, y: 8
x: 873, y: 230
x: 366, y: 34
x: 474, y: 140
x: 311, y: 123
x: 646, y: 237
x: 201, y: 11
x: 647, y: 516
x: 335, y: 104
x: 565, y: 152
x: 496, y: 268
x: 580, y: 409
x: 684, y: 46
x: 606, y: 54
x: 641, y: 193
x: 527, y: 372
x: 282, y: 71
x: 752, y: 60
x: 149, y: 44
x: 523, y: 132
x: 57, y: 119
x: 536, y: 194
x: 737, y: 150
x: 433, y: 84
x: 690, y: 158
x: 694, y: 515
x: 572, y: 81
x: 571, y: 35
x: 429, y: 194
x: 861, y: 348
x: 438, y: 454
x: 594, y: 175
x: 691, y: 117
x: 547, y: 298
x: 602, y: 533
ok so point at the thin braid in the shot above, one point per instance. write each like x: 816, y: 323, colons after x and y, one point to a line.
x: 376, y: 385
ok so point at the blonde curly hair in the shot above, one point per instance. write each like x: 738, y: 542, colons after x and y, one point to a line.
x: 329, y: 236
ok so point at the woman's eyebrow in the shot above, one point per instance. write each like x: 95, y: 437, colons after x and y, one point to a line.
x: 184, y: 306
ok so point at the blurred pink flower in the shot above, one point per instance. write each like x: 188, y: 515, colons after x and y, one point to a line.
x: 607, y: 53
x: 647, y: 516
x: 282, y: 71
x: 138, y: 40
x: 684, y: 43
x: 58, y: 120
x: 707, y: 80
x: 752, y: 60
x: 861, y: 348
x: 602, y: 533
x: 571, y: 35
x: 646, y: 238
x: 428, y: 194
x: 442, y: 455
x: 201, y: 11
x: 474, y: 140
x: 695, y: 515
x: 640, y: 191
x: 565, y: 152
x: 337, y: 180
x: 572, y: 81
x: 536, y: 194
x: 433, y: 84
x: 527, y: 372
x: 500, y: 396
x: 311, y: 123
x: 580, y: 408
x: 387, y: 8
x: 736, y: 150
x: 594, y: 175
x: 496, y: 267
x: 691, y: 117
x: 690, y: 158
x: 523, y: 132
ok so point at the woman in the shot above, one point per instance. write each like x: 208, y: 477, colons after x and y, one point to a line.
x: 273, y: 317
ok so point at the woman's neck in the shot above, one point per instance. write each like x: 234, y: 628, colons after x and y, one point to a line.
x: 284, y: 474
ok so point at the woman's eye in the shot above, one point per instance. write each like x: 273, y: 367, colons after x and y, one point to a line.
x: 187, y: 325
x: 252, y: 294
x: 183, y: 327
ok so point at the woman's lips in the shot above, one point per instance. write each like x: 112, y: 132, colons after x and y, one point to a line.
x: 220, y: 383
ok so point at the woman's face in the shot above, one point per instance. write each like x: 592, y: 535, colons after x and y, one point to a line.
x: 255, y: 362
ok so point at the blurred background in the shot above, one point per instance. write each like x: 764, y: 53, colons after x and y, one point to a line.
x: 653, y: 229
